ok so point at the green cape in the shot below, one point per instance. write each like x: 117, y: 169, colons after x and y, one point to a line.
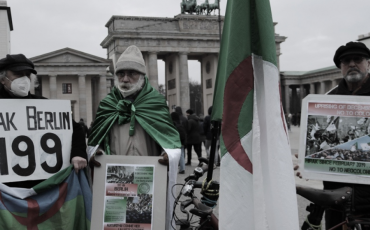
x: 149, y: 109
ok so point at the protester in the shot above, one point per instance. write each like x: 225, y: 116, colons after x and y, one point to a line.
x: 193, y: 136
x: 353, y: 61
x: 15, y: 79
x: 176, y: 121
x: 208, y: 133
x: 201, y: 130
x: 298, y: 117
x: 289, y: 122
x: 183, y: 119
x: 133, y: 119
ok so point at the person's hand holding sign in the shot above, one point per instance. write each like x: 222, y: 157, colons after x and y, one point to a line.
x: 94, y: 163
x: 78, y: 163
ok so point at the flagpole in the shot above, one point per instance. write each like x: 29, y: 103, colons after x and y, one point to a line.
x: 219, y: 20
x: 215, y: 125
x: 215, y: 128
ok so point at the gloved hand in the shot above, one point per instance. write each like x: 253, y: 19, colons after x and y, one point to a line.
x: 94, y: 163
x: 78, y: 163
x: 164, y: 160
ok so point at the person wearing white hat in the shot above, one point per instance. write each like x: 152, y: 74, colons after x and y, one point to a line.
x: 134, y: 120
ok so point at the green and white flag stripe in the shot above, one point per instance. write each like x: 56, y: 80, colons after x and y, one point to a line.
x: 257, y: 179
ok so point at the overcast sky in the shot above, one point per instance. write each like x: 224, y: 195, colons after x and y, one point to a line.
x: 314, y: 28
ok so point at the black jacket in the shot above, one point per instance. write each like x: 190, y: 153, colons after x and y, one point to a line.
x: 362, y: 192
x: 181, y: 131
x: 193, y: 134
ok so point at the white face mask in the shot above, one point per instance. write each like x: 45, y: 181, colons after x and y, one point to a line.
x: 20, y: 86
x: 134, y: 88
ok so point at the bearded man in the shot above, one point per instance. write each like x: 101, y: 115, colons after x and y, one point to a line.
x: 134, y: 120
x: 353, y: 61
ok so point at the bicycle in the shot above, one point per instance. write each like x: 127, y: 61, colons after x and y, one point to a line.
x: 202, y: 207
x: 338, y: 199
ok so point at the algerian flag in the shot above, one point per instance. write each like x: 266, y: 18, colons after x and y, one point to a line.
x: 257, y: 180
x: 354, y: 147
x: 63, y: 201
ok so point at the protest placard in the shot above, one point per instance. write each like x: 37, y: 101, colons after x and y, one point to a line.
x: 35, y: 138
x: 335, y: 141
x: 129, y: 192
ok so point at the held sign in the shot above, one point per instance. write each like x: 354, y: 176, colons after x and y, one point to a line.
x: 35, y: 138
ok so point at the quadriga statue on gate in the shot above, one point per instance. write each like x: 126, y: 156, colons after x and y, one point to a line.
x: 188, y: 6
x: 213, y: 7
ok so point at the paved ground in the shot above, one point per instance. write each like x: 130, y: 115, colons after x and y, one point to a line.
x: 294, y: 142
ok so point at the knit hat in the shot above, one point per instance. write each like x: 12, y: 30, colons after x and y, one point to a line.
x: 131, y: 59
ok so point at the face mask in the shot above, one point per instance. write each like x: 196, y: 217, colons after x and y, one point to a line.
x: 135, y: 87
x: 20, y: 86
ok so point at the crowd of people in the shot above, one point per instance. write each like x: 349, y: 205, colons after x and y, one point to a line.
x: 293, y: 119
x: 128, y: 120
x: 194, y: 131
x: 134, y: 119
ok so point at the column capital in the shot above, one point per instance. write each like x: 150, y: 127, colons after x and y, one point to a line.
x: 52, y: 75
x: 81, y: 75
x: 153, y: 52
x: 183, y: 53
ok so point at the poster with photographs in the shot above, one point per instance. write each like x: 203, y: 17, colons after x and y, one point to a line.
x: 335, y: 138
x: 128, y: 197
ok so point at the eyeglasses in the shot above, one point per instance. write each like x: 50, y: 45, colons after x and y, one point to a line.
x: 356, y: 59
x: 128, y: 73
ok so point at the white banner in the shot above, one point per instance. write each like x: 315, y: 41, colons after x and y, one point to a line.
x: 35, y: 138
x: 335, y: 138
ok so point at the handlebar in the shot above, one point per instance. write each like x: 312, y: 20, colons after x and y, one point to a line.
x: 202, y: 207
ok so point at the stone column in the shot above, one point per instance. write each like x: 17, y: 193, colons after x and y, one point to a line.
x: 153, y: 70
x: 333, y: 83
x: 146, y: 60
x: 184, y: 81
x: 53, y: 86
x: 312, y: 88
x: 287, y: 101
x: 322, y: 87
x: 301, y: 90
x: 102, y: 86
x: 82, y: 96
x: 294, y: 103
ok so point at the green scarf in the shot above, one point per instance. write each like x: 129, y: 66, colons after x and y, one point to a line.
x: 149, y: 109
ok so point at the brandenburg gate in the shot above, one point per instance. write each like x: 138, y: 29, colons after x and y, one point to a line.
x: 175, y: 41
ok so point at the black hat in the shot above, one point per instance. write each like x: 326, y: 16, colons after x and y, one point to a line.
x: 358, y: 48
x: 17, y: 62
x: 190, y: 111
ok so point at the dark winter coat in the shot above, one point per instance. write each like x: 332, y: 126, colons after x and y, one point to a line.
x: 183, y: 119
x: 362, y: 191
x: 182, y: 132
x: 193, y: 134
x: 207, y: 125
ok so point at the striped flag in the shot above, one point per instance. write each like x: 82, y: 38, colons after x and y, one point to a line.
x: 63, y: 201
x: 257, y: 186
